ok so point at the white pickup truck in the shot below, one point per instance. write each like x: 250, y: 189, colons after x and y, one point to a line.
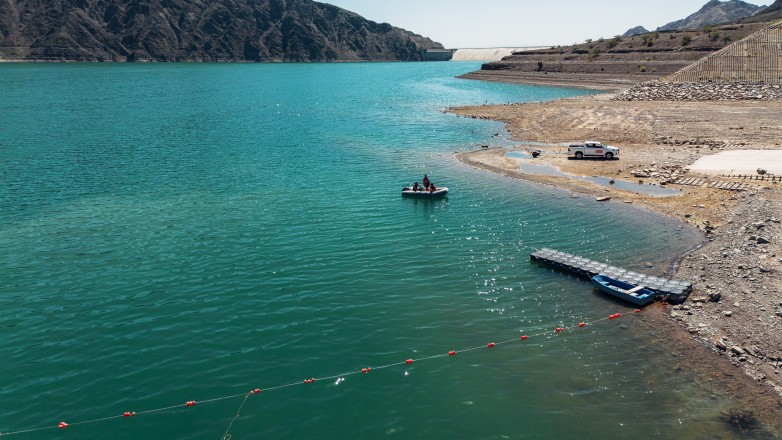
x: 592, y: 149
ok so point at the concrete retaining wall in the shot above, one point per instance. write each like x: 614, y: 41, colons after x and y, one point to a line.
x: 755, y: 59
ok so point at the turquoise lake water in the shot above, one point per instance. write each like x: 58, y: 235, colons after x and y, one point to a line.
x: 178, y: 232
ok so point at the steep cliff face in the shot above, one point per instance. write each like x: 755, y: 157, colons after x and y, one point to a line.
x: 714, y: 12
x: 198, y: 30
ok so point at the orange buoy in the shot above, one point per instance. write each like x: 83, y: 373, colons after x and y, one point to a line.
x: 409, y: 361
x: 582, y: 324
x: 524, y: 338
x: 62, y: 425
x: 451, y: 353
x: 491, y: 345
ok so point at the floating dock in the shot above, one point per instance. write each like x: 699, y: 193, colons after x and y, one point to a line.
x: 676, y: 291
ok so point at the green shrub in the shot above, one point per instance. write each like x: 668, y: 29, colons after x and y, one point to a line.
x: 686, y: 40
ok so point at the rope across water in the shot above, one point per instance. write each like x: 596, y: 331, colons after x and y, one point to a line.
x: 256, y: 391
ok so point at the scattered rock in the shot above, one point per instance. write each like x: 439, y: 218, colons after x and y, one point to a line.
x: 661, y: 90
x: 737, y: 350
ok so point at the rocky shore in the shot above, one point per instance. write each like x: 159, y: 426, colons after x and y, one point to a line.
x: 733, y: 319
x: 676, y: 91
x: 737, y: 308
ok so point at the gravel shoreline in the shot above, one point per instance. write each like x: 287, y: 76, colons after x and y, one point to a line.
x: 733, y: 319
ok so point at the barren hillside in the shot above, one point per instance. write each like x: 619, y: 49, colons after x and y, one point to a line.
x: 615, y: 63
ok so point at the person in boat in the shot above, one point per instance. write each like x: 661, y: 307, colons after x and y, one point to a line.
x: 432, y: 188
x: 426, y: 181
x: 416, y: 187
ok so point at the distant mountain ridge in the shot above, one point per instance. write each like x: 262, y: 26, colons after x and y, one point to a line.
x: 198, y: 30
x: 638, y: 30
x: 775, y: 7
x: 714, y: 12
x: 771, y: 13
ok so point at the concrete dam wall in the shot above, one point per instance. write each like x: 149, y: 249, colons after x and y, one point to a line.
x: 487, y: 54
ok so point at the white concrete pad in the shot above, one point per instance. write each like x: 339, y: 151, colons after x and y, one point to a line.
x: 740, y: 162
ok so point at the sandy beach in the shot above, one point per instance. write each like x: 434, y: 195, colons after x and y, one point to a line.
x: 733, y: 318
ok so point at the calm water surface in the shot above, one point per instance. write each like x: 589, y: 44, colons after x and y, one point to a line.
x: 193, y: 231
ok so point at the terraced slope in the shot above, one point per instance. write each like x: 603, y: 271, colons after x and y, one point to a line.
x: 618, y: 62
x: 755, y: 59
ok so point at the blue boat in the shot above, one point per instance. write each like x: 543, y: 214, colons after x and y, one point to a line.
x: 636, y: 294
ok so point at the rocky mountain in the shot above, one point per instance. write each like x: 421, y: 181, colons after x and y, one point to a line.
x: 771, y: 13
x: 198, y: 30
x: 775, y: 7
x: 638, y: 30
x: 714, y: 12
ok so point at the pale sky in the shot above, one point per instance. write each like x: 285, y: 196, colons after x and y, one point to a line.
x: 519, y: 23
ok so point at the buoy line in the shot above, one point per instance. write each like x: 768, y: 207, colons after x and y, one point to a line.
x: 307, y: 381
